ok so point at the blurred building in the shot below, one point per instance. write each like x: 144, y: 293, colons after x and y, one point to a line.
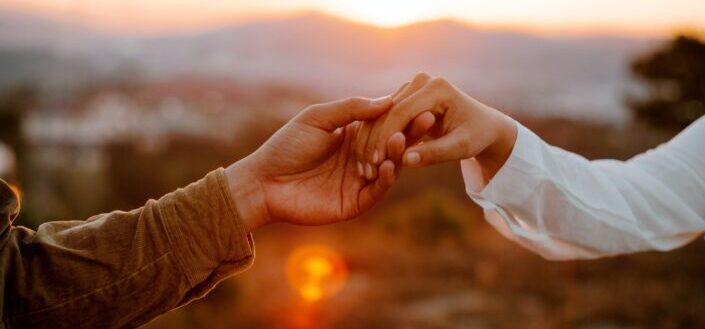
x: 150, y: 114
x: 73, y: 145
x: 109, y: 115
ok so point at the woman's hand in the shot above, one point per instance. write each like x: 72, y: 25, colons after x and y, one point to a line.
x: 463, y: 128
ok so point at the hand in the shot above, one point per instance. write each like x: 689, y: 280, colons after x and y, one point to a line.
x: 411, y: 135
x: 305, y: 173
x: 463, y: 128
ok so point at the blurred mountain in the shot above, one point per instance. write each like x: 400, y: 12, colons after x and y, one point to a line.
x: 20, y: 30
x: 582, y: 76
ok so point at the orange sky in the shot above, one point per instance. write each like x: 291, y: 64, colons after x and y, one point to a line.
x: 644, y: 17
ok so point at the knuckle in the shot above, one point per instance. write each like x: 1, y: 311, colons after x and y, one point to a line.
x: 315, y: 108
x: 434, y: 152
x: 439, y: 83
x: 464, y: 144
x: 421, y: 76
x: 355, y: 102
x: 308, y: 112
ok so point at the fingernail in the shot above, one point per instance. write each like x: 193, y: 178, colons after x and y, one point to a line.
x: 368, y: 171
x: 375, y: 157
x: 412, y: 158
x: 380, y: 100
x: 360, y: 169
x: 400, y: 137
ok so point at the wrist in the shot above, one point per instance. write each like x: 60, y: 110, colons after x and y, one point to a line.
x: 493, y: 157
x: 247, y: 194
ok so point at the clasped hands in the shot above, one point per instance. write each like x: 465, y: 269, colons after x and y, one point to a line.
x: 335, y: 160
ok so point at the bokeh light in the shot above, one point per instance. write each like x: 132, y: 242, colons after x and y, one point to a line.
x: 315, y: 272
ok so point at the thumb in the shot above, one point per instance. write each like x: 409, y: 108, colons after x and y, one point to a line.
x: 447, y: 148
x: 336, y: 114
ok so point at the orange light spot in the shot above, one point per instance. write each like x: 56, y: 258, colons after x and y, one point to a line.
x: 315, y: 272
x: 311, y: 292
x: 318, y: 267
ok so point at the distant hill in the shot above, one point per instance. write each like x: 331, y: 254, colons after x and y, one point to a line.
x: 583, y: 76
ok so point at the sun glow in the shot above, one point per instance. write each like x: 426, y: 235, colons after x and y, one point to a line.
x: 597, y: 16
x: 389, y: 13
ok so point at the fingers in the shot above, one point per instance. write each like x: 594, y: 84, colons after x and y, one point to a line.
x: 360, y: 145
x: 454, y: 146
x: 396, y: 144
x: 370, y: 171
x: 405, y: 91
x: 401, y: 89
x: 364, y: 168
x: 373, y: 192
x: 395, y: 151
x: 367, y: 150
x: 399, y: 141
x: 330, y: 116
x: 432, y: 97
x: 409, y: 88
x: 419, y: 127
x: 395, y: 147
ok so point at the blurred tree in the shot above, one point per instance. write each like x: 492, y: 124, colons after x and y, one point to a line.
x: 675, y: 76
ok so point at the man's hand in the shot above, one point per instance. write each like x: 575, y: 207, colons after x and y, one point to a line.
x: 306, y: 174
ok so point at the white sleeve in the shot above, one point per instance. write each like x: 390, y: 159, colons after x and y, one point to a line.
x: 563, y: 206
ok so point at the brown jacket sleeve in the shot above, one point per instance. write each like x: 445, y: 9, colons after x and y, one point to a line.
x: 122, y: 269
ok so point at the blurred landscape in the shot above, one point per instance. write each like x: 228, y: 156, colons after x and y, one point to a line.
x: 94, y: 120
x: 581, y: 76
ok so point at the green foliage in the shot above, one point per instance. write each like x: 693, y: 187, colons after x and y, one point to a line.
x: 675, y: 76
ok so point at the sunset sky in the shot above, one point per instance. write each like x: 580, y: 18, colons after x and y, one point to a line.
x: 645, y: 17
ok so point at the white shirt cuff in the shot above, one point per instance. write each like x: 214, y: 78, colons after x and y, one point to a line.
x: 510, y: 183
x: 514, y: 184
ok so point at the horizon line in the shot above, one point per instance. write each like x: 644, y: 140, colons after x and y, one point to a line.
x: 241, y: 20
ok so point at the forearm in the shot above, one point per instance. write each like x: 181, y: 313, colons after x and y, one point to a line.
x: 564, y: 206
x: 125, y: 268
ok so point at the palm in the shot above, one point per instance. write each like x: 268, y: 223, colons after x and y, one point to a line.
x: 305, y: 175
x: 311, y: 179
